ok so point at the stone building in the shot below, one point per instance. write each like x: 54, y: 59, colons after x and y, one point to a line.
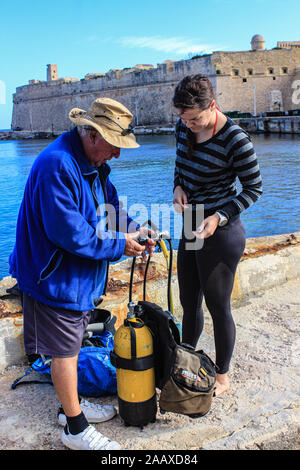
x: 252, y: 81
x: 288, y: 44
x: 52, y: 73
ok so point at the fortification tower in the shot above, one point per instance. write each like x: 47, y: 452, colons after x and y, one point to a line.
x: 257, y: 43
x: 52, y: 72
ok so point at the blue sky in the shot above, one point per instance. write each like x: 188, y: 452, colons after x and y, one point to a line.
x: 85, y: 36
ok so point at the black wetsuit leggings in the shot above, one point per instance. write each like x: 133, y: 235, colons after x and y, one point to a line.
x: 209, y: 272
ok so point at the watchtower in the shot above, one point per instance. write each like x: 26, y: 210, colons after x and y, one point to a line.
x: 52, y: 72
x: 257, y: 43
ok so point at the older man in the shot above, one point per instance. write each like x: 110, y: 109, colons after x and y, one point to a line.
x: 64, y: 243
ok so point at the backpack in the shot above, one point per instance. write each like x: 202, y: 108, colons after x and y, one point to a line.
x: 186, y: 377
x: 96, y: 374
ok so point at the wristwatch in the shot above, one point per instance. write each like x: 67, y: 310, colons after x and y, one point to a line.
x: 223, y: 220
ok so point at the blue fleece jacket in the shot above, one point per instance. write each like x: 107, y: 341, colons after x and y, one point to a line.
x: 63, y: 245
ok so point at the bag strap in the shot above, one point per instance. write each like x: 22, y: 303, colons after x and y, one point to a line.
x: 137, y: 364
x: 18, y: 382
x: 174, y: 330
x: 132, y: 325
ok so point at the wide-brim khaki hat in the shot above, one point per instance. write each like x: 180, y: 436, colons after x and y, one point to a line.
x: 110, y: 118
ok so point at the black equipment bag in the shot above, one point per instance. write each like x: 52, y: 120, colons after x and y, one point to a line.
x: 165, y: 338
x: 185, y: 377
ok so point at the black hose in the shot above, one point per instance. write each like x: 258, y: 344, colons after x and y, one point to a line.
x: 146, y: 271
x: 145, y: 278
x: 170, y: 273
x: 131, y: 279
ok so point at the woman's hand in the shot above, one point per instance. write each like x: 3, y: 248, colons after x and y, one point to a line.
x: 208, y: 227
x: 180, y: 200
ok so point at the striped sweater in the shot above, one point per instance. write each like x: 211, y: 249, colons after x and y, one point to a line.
x: 209, y: 176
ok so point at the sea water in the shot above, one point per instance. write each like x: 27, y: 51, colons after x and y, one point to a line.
x: 144, y: 180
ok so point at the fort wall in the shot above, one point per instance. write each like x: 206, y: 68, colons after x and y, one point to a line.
x: 147, y: 91
x: 268, y: 70
x: 44, y: 106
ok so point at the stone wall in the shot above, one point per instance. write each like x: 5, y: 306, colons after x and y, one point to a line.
x: 267, y: 262
x: 266, y: 70
x: 44, y: 106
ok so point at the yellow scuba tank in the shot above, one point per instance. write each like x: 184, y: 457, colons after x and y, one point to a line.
x: 133, y: 354
x: 134, y: 362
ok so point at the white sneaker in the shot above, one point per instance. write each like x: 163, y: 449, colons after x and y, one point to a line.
x: 93, y: 412
x: 89, y: 439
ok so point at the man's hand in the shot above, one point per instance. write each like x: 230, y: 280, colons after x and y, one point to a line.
x: 133, y: 248
x: 208, y: 227
x: 180, y: 200
x: 145, y: 232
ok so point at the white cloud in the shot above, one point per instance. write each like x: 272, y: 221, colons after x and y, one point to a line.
x: 177, y: 45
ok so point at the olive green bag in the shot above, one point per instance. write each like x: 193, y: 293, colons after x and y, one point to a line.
x: 190, y: 386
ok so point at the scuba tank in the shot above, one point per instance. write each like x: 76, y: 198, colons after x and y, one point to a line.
x: 134, y: 362
x: 133, y: 354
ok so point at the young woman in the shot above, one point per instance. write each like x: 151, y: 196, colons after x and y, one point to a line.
x: 212, y: 152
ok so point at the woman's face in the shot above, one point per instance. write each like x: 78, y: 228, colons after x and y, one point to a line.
x: 196, y: 119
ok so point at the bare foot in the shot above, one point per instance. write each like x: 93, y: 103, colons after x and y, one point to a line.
x: 222, y: 384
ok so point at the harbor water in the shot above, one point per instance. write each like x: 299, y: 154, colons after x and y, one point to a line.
x: 144, y: 180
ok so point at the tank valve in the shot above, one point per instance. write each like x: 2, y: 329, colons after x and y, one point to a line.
x: 131, y: 313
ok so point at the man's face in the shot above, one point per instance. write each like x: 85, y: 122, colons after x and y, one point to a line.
x: 99, y: 151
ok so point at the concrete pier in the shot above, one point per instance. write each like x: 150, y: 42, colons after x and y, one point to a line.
x: 267, y: 262
x: 262, y: 408
x: 271, y: 125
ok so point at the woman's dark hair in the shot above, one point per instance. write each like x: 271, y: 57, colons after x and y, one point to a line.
x: 192, y: 91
